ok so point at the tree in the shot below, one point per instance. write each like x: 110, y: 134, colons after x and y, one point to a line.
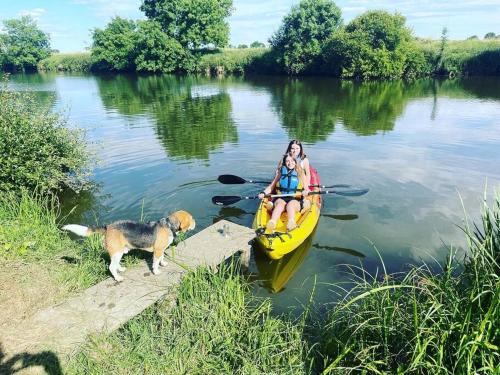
x: 156, y: 51
x: 490, y: 35
x: 376, y: 44
x: 23, y: 45
x: 193, y: 23
x: 473, y: 37
x: 257, y: 44
x: 114, y: 47
x: 240, y: 46
x: 299, y: 40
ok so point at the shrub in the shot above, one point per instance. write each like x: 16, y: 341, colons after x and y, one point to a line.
x: 37, y: 149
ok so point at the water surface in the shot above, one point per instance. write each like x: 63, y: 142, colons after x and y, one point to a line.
x: 422, y: 148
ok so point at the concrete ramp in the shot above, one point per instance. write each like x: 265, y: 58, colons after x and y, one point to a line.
x: 107, y: 305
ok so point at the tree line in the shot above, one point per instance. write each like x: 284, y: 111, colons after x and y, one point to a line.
x: 176, y: 36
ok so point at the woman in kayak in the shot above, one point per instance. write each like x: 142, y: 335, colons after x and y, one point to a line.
x: 290, y: 179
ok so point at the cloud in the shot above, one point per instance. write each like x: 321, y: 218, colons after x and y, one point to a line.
x: 35, y: 13
x: 107, y: 9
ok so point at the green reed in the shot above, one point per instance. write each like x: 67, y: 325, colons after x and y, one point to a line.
x: 68, y: 62
x: 422, y: 322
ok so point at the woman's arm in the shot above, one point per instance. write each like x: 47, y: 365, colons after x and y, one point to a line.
x: 270, y: 187
x: 307, y: 171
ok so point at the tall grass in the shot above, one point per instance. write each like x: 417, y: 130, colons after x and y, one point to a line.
x: 29, y: 233
x: 68, y: 62
x: 421, y: 322
x: 230, y: 61
x: 216, y: 327
x: 463, y: 57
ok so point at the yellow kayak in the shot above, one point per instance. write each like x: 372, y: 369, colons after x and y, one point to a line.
x: 276, y: 245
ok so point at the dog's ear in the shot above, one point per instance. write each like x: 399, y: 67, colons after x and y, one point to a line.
x: 163, y: 221
x: 175, y: 222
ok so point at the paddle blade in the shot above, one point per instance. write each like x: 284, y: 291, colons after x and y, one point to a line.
x: 351, y: 193
x: 230, y: 179
x: 225, y: 200
x: 342, y: 217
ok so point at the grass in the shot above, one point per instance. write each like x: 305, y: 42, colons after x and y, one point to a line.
x: 29, y: 233
x: 422, y: 322
x: 419, y: 322
x: 230, y: 60
x: 464, y: 57
x: 69, y: 62
x: 216, y: 327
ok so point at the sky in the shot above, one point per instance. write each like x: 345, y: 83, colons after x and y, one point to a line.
x: 69, y: 22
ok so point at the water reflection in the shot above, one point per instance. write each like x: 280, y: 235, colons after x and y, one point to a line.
x: 191, y: 118
x: 274, y: 274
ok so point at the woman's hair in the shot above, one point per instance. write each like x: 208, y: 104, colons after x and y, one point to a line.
x: 296, y: 142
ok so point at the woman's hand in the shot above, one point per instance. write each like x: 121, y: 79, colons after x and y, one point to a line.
x: 305, y: 192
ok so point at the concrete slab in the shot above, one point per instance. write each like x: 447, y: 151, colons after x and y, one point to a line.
x: 107, y: 305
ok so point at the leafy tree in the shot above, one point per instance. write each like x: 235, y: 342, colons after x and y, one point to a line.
x: 299, y: 39
x: 23, y: 45
x: 257, y: 44
x: 376, y: 44
x: 242, y: 46
x: 156, y: 51
x: 193, y: 23
x: 473, y: 37
x: 114, y: 47
x: 490, y: 35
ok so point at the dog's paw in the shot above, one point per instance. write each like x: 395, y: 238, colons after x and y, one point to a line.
x: 163, y: 263
x: 119, y: 278
x: 156, y: 271
x: 122, y: 269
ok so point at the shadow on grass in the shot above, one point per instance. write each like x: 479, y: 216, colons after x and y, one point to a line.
x: 47, y: 359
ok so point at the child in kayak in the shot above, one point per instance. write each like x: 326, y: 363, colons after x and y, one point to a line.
x: 290, y: 178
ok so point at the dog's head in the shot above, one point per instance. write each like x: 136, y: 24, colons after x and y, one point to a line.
x: 179, y: 221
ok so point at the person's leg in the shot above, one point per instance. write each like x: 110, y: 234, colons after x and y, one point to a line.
x: 291, y: 208
x: 279, y: 207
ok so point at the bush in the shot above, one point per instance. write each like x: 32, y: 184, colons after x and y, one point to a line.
x: 37, y: 150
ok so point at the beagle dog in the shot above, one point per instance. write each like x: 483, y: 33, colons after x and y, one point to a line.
x: 154, y: 236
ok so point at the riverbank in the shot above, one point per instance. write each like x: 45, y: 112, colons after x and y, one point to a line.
x: 467, y: 57
x: 419, y: 321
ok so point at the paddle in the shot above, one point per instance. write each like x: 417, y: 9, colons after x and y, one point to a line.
x: 225, y: 200
x: 342, y: 217
x: 230, y: 179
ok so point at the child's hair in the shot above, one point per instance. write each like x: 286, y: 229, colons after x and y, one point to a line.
x: 296, y: 142
x: 298, y: 168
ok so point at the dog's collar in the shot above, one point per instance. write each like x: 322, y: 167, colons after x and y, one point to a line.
x: 166, y: 221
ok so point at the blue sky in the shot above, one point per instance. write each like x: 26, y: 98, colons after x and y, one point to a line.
x: 69, y: 21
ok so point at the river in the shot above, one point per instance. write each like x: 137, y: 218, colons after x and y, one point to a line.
x: 426, y: 149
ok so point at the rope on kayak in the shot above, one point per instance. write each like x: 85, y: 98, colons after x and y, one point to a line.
x: 271, y: 236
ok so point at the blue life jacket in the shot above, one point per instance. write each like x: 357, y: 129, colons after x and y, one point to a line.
x: 289, y: 181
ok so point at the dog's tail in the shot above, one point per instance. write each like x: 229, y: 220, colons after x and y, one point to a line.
x: 82, y: 230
